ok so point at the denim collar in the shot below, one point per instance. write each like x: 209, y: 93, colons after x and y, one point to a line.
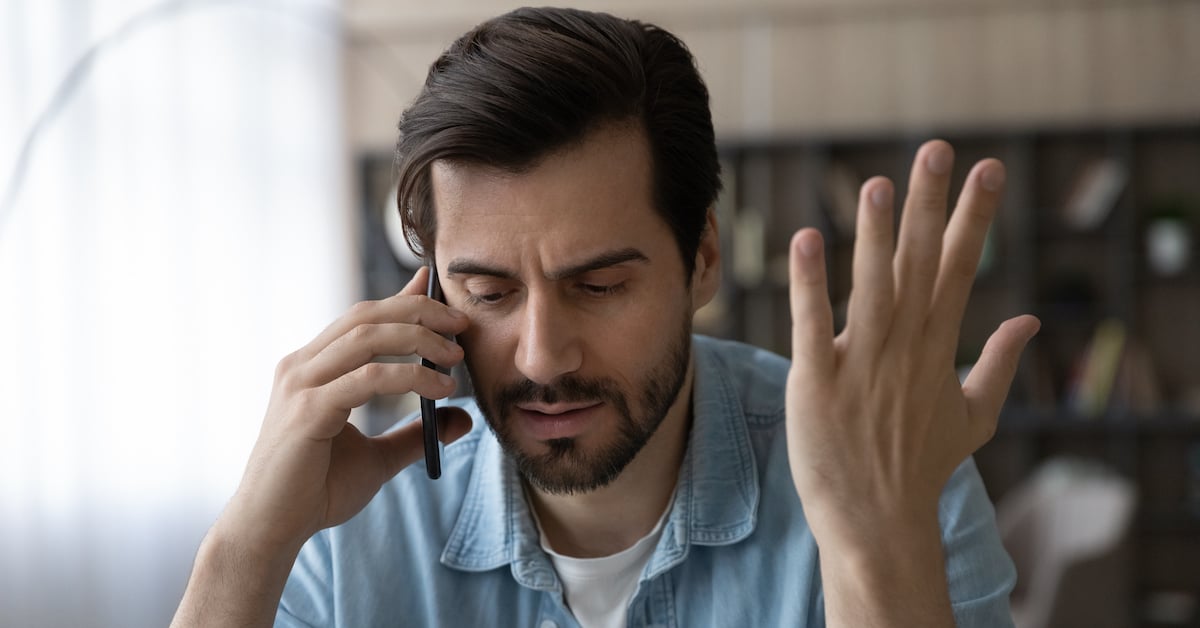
x: 716, y: 499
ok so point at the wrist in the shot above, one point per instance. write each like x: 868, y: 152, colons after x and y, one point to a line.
x: 866, y: 573
x: 235, y: 581
x: 887, y: 552
x: 250, y: 546
x: 876, y: 530
x: 262, y: 526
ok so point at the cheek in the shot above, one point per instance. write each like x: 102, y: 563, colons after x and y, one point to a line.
x: 488, y: 350
x: 637, y: 343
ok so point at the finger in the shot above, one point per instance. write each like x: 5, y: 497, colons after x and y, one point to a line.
x: 377, y: 378
x: 987, y: 384
x: 408, y: 306
x: 405, y: 445
x: 419, y: 282
x: 920, y: 242
x: 367, y: 341
x: 871, y: 297
x: 812, y: 316
x: 963, y: 246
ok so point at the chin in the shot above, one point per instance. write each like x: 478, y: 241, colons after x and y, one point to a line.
x: 569, y: 466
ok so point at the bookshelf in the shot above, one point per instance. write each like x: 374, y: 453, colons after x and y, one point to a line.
x: 1072, y: 244
x: 1073, y: 278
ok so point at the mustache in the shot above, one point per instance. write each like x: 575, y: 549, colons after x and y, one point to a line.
x: 565, y: 389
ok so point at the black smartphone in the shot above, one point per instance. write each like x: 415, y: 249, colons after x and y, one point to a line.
x: 429, y: 426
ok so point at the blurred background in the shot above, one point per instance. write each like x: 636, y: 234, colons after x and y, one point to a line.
x: 194, y: 189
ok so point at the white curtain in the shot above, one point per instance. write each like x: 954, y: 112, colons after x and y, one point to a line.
x: 183, y: 222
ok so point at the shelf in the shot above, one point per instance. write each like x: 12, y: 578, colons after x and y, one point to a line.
x: 1071, y: 278
x: 1025, y: 421
x: 1061, y: 234
x: 1159, y: 523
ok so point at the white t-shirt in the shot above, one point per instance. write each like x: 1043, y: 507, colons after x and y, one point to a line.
x: 598, y: 590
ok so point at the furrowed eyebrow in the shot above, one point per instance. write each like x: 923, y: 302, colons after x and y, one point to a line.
x: 603, y: 260
x: 469, y: 267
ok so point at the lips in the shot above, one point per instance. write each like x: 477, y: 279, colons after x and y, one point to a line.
x: 556, y: 408
x: 549, y: 421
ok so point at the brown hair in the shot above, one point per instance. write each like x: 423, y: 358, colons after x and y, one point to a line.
x: 526, y: 83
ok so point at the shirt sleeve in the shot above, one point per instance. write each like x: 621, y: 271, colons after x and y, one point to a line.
x: 307, y: 599
x: 979, y: 570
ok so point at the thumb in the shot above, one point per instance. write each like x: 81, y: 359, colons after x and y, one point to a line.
x: 453, y: 423
x: 405, y: 445
x: 988, y: 383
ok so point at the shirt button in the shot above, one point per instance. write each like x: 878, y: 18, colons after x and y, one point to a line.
x: 547, y: 624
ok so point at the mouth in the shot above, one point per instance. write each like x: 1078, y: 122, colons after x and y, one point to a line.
x: 549, y: 421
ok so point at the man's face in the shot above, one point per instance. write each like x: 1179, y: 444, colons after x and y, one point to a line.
x: 580, y: 310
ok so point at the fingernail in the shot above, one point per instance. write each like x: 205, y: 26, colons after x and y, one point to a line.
x: 939, y: 160
x: 446, y: 380
x: 809, y: 246
x: 880, y: 197
x: 992, y: 178
x: 455, y: 313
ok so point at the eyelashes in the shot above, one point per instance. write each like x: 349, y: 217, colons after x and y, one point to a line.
x: 587, y: 290
x: 485, y: 299
x: 602, y: 290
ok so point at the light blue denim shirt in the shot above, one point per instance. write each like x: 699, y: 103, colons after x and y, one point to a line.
x: 463, y: 551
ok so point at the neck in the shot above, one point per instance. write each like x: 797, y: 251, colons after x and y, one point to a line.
x: 612, y: 518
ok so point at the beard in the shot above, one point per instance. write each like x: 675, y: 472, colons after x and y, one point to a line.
x: 568, y: 467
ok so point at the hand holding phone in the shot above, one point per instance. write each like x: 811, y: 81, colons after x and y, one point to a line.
x: 429, y: 427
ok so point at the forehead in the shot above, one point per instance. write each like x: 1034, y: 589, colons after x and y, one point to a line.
x: 591, y: 196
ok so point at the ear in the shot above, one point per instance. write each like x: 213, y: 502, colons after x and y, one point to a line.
x: 706, y: 277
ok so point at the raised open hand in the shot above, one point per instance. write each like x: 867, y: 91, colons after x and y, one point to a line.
x: 876, y: 418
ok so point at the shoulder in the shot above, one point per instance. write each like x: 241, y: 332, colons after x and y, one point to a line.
x: 756, y: 378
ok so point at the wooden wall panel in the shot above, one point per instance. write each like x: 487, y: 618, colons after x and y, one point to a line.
x: 862, y: 67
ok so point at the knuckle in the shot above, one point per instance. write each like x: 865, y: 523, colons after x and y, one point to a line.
x: 307, y: 401
x: 979, y: 213
x: 285, y: 366
x: 963, y: 269
x: 346, y: 383
x: 418, y: 372
x: 811, y: 279
x: 361, y: 333
x: 423, y: 306
x: 286, y: 376
x: 306, y: 406
x: 363, y: 309
x: 425, y: 376
x: 374, y: 371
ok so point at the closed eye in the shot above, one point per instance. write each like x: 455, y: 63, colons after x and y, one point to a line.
x: 491, y: 298
x: 602, y: 290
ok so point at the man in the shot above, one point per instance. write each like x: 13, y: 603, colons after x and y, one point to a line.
x: 559, y: 166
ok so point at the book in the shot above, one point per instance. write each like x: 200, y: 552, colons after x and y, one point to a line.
x: 1095, y: 194
x: 1090, y: 391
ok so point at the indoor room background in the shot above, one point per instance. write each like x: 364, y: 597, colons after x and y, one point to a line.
x: 193, y: 189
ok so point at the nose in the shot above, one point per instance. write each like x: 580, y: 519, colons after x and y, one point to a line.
x: 549, y: 346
